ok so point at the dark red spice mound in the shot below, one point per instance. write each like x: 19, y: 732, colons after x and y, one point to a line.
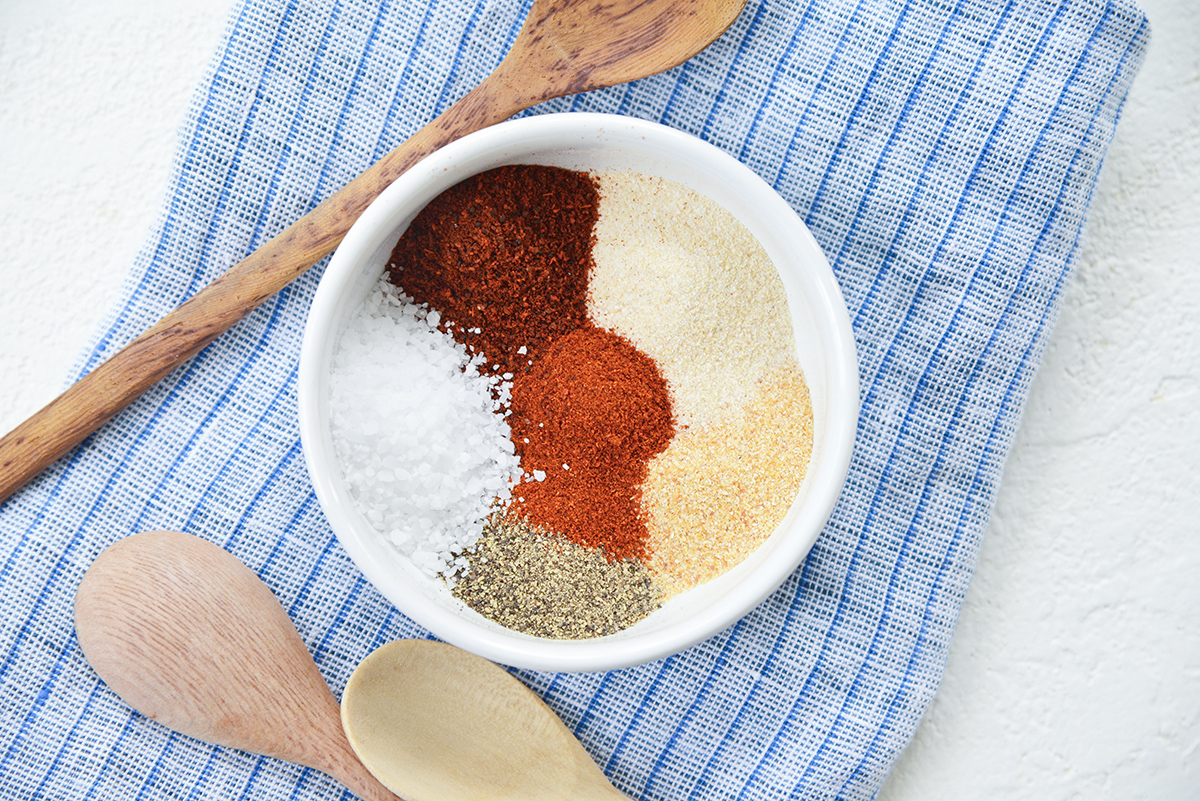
x: 596, y: 404
x: 504, y: 256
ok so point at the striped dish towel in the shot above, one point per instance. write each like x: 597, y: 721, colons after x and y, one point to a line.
x: 944, y: 155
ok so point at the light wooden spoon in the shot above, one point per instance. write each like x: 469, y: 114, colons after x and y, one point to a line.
x: 190, y: 637
x: 565, y: 47
x: 435, y: 723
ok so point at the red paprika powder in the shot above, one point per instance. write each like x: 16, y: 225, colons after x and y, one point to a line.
x: 590, y: 413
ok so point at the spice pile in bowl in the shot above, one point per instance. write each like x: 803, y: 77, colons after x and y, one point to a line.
x: 572, y: 395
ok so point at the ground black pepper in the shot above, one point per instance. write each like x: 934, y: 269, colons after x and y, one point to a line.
x: 535, y: 582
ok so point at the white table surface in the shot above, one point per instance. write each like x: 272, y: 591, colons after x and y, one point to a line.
x: 1075, y: 669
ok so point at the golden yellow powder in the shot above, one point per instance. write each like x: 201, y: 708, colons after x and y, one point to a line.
x: 717, y: 492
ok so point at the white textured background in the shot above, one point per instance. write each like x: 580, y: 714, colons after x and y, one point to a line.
x: 1075, y: 670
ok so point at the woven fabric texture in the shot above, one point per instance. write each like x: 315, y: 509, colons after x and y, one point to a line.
x: 944, y: 155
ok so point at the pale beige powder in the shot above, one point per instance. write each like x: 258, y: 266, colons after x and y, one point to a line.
x: 685, y: 282
x: 717, y: 493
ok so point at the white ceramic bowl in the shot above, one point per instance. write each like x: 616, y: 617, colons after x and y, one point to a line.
x: 824, y: 345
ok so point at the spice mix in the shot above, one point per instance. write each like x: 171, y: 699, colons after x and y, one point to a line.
x: 633, y: 340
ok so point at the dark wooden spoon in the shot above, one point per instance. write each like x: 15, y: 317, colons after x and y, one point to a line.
x: 565, y: 47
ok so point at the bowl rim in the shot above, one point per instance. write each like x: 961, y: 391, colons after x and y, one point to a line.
x: 420, y: 184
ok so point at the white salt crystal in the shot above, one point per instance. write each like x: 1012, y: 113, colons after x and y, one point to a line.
x: 419, y: 433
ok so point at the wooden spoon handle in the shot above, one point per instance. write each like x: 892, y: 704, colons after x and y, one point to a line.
x: 346, y: 768
x: 101, y: 394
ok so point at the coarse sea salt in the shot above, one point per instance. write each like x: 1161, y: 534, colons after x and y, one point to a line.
x: 419, y: 433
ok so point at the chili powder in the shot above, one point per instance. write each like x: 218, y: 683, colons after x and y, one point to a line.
x: 504, y: 257
x: 590, y: 413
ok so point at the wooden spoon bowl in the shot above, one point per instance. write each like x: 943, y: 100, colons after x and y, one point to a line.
x: 436, y: 723
x: 190, y: 637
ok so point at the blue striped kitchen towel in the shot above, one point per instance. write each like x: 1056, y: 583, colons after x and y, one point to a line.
x: 943, y: 153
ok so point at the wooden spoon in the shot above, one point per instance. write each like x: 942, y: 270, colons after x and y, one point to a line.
x: 565, y: 47
x: 190, y: 637
x: 435, y: 723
